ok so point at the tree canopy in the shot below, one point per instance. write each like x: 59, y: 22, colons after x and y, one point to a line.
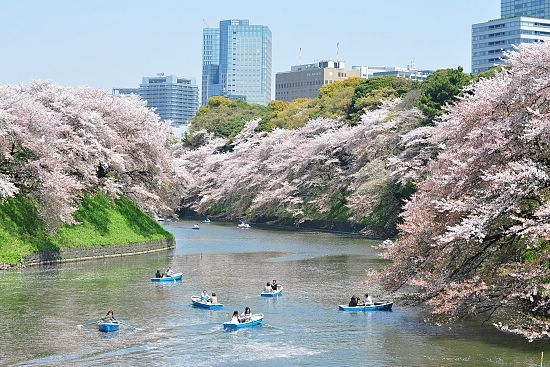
x: 59, y: 143
x: 370, y: 93
x: 326, y: 170
x: 223, y: 118
x: 475, y: 234
x: 441, y: 88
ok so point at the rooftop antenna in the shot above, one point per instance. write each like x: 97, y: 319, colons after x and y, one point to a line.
x: 300, y: 56
x: 205, y: 24
x: 337, y: 55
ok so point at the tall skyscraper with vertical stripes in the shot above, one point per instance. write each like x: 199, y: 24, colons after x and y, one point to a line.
x: 236, y: 62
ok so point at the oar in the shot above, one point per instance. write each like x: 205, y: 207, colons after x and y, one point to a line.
x: 123, y: 323
x: 89, y: 323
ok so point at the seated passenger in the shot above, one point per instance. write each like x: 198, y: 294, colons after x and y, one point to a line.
x: 158, y: 274
x: 245, y: 316
x: 274, y: 285
x: 368, y: 300
x: 204, y: 296
x: 169, y: 272
x: 353, y: 301
x: 235, y: 317
x: 214, y: 298
x: 267, y: 288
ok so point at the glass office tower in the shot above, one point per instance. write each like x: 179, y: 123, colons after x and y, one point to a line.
x: 237, y: 62
x: 526, y: 8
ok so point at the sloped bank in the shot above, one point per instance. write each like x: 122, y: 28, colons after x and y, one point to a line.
x: 105, y: 228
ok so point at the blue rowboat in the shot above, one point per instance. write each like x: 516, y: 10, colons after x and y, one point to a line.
x: 276, y: 293
x: 196, y: 301
x: 254, y: 319
x: 171, y: 278
x: 377, y: 306
x: 108, y: 326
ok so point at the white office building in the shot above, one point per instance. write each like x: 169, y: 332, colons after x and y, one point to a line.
x: 522, y: 21
x: 173, y: 98
x: 408, y: 72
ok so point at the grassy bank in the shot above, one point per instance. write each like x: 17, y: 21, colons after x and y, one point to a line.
x: 102, y: 222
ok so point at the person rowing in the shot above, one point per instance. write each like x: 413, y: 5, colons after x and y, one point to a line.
x: 110, y: 317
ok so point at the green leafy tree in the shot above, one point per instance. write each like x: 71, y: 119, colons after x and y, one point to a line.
x: 441, y: 88
x: 223, y: 118
x: 334, y: 98
x: 369, y: 94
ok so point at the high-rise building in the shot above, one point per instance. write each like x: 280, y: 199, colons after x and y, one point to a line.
x: 173, y: 98
x: 304, y: 81
x: 525, y: 8
x: 236, y: 62
x: 522, y: 21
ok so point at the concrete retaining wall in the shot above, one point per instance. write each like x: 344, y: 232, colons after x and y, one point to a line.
x: 95, y: 252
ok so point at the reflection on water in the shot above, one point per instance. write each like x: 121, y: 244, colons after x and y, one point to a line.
x: 42, y: 309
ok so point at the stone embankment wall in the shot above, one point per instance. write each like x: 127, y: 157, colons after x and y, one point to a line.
x: 95, y: 252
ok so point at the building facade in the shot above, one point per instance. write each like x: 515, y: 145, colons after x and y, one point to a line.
x: 304, y: 81
x: 525, y: 8
x: 490, y: 40
x: 522, y: 21
x: 408, y: 72
x: 172, y: 97
x: 236, y: 62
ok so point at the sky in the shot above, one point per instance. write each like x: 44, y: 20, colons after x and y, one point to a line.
x: 114, y: 43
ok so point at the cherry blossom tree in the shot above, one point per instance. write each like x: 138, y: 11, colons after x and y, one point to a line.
x: 475, y: 234
x: 58, y: 143
x: 320, y: 170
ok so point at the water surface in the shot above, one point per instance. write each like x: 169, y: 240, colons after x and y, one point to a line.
x: 42, y: 309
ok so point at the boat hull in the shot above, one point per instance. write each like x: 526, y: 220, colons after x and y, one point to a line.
x: 171, y: 278
x: 196, y: 302
x: 108, y: 327
x: 377, y: 306
x: 255, y: 319
x: 278, y: 293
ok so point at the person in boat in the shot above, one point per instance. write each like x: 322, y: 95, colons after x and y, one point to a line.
x: 245, y: 316
x: 214, y: 298
x: 368, y: 300
x: 204, y: 296
x: 235, y: 318
x: 169, y: 272
x: 158, y: 274
x: 109, y: 317
x: 267, y: 288
x: 353, y: 301
x: 274, y: 285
